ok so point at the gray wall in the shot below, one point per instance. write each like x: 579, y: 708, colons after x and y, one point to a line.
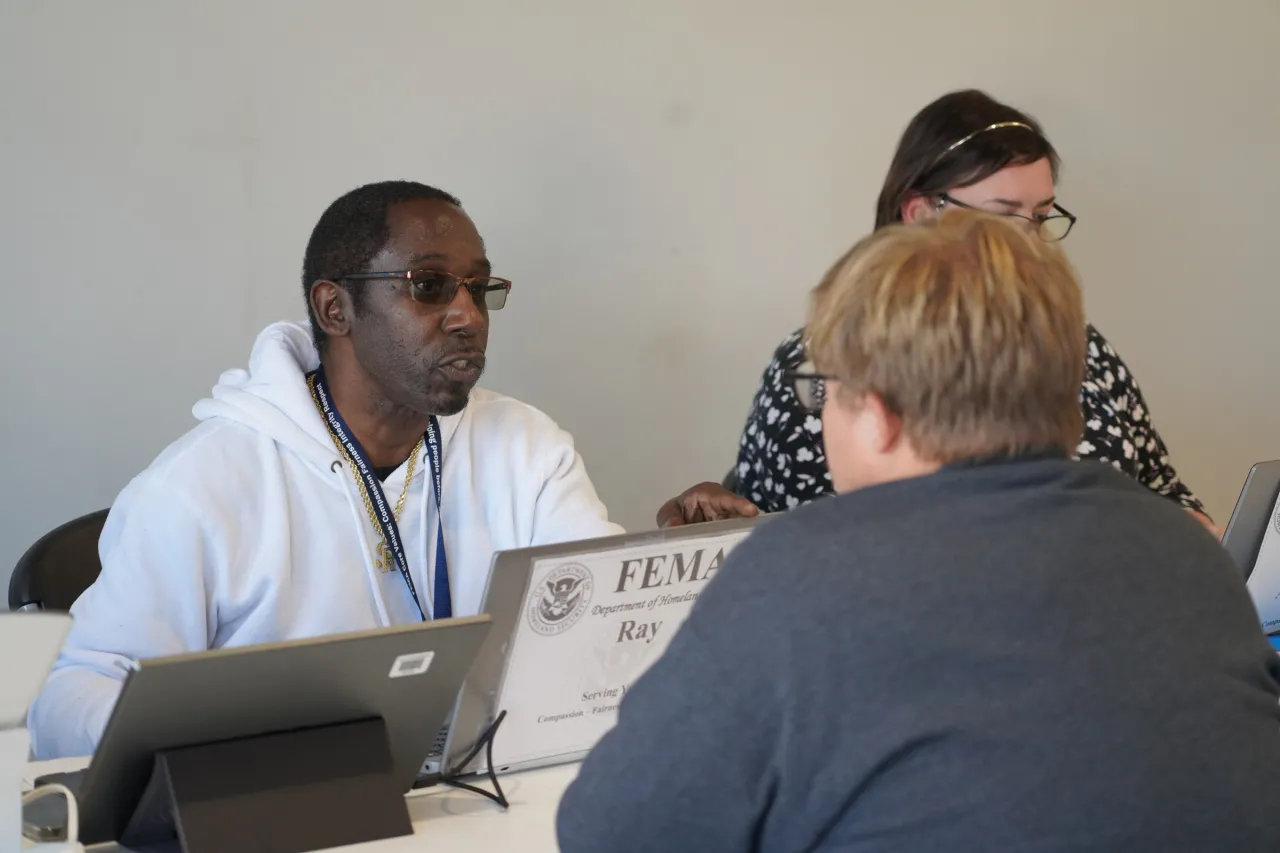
x: 664, y: 181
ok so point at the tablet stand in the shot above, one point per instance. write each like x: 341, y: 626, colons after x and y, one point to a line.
x: 289, y: 792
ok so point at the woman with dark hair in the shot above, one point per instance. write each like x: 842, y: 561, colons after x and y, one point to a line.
x: 964, y: 150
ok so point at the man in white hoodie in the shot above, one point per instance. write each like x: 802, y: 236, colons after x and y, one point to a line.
x: 353, y: 477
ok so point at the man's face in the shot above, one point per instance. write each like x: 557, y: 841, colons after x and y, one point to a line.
x: 845, y: 441
x: 859, y: 436
x: 425, y: 357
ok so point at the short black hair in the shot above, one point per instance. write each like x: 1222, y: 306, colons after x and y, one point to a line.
x: 351, y: 231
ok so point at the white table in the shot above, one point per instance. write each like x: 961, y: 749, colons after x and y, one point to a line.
x: 448, y: 819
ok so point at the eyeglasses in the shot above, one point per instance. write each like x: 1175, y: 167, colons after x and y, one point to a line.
x: 435, y: 288
x: 1051, y: 229
x: 810, y: 387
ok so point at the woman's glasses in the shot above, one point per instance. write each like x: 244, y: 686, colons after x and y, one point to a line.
x: 435, y: 288
x: 1051, y: 228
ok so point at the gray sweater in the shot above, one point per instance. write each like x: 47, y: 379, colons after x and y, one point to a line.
x: 1036, y: 655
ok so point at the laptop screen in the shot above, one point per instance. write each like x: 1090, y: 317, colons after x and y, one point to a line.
x: 39, y: 636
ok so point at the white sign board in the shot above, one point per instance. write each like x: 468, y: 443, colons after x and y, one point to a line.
x: 590, y: 626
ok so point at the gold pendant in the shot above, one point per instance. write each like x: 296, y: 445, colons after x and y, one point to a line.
x: 382, y: 562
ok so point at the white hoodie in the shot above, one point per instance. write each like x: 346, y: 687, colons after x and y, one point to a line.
x: 250, y: 529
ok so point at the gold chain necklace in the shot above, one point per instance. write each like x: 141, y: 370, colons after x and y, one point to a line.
x: 382, y: 560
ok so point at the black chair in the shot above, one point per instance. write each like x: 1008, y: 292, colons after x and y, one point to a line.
x: 60, y: 566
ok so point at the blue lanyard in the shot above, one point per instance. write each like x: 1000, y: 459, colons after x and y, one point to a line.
x: 382, y: 509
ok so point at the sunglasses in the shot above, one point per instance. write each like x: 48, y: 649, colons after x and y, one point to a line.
x: 435, y: 288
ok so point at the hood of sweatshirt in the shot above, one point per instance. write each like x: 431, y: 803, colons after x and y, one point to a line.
x: 271, y: 395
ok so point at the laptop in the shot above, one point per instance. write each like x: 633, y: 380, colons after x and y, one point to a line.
x: 29, y: 645
x: 1250, y: 517
x: 407, y: 676
x: 518, y: 580
x: 1252, y: 538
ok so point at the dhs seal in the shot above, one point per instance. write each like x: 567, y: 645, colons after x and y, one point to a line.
x: 560, y: 600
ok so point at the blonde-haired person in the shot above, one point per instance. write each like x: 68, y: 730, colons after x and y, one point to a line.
x: 980, y: 643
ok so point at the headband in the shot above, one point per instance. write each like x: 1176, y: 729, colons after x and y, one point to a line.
x: 953, y: 146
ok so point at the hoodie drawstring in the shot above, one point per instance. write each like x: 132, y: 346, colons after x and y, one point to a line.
x: 365, y: 549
